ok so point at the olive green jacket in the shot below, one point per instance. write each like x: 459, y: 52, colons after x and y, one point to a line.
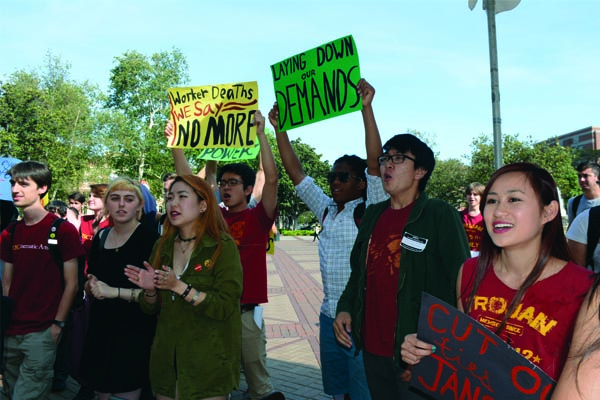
x: 202, y: 344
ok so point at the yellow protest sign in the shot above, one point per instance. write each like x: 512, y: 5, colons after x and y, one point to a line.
x: 271, y: 243
x: 214, y: 116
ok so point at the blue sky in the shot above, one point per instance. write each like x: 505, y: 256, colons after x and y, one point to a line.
x: 427, y: 59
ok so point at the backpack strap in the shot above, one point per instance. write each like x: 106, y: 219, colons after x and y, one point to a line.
x: 593, y: 235
x: 325, y: 214
x: 53, y: 244
x: 575, y: 205
x: 359, y: 211
x: 103, y: 235
x: 11, y: 231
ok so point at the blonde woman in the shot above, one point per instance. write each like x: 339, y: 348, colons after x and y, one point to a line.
x: 117, y: 346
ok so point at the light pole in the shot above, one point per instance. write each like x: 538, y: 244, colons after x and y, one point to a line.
x: 492, y: 8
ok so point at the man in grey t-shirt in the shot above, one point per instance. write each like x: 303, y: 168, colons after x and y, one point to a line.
x: 587, y: 177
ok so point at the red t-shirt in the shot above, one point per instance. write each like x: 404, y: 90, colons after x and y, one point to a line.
x: 36, y: 285
x: 87, y: 233
x: 250, y: 230
x: 473, y: 227
x: 542, y: 325
x: 383, y: 265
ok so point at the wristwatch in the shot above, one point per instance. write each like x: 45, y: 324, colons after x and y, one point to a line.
x: 61, y: 324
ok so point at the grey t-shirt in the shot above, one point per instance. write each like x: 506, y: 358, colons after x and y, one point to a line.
x: 584, y: 204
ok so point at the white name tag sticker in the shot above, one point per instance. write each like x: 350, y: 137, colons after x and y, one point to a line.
x: 52, y: 241
x: 413, y: 243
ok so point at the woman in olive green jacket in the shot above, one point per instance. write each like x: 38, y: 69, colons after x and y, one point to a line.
x: 195, y: 284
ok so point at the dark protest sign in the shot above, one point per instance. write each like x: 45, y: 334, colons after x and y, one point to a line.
x: 470, y: 361
x: 215, y: 117
x: 317, y: 84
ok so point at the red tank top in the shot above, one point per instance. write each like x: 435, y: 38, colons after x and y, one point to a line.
x: 542, y: 325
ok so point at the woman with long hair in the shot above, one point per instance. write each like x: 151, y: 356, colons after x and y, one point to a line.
x: 523, y: 267
x: 194, y: 282
x: 116, y: 351
x: 90, y: 224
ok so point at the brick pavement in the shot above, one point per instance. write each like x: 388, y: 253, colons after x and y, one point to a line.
x: 291, y: 318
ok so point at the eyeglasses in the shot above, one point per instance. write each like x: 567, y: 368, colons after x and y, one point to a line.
x: 343, y: 177
x: 396, y: 159
x: 230, y: 182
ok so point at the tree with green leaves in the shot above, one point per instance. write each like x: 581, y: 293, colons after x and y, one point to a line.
x: 47, y: 117
x: 138, y: 108
x: 448, y: 181
x: 558, y: 160
x: 290, y: 205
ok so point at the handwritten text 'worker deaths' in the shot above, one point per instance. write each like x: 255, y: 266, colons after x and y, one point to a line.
x: 217, y: 116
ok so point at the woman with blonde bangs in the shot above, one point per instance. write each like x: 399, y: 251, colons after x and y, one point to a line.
x: 117, y: 345
x: 194, y: 282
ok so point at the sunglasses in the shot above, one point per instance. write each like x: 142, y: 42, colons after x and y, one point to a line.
x: 230, y: 182
x: 343, y: 177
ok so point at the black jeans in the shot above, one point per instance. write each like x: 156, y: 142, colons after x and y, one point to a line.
x: 385, y: 379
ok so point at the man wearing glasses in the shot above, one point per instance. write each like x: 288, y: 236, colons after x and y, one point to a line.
x: 341, y: 369
x: 406, y: 245
x: 250, y: 229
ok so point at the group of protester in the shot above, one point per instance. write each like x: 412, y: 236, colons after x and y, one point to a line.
x: 175, y: 305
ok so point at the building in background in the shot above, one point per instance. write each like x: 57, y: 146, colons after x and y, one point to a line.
x: 582, y: 139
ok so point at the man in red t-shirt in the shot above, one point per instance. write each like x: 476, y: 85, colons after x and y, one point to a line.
x: 41, y: 291
x: 250, y: 228
x: 405, y: 246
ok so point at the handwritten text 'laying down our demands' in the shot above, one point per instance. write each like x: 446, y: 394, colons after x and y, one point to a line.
x: 317, y: 84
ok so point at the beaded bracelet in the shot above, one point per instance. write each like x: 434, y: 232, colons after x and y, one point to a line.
x: 195, y: 298
x: 186, y: 291
x: 132, y: 296
x: 119, y: 291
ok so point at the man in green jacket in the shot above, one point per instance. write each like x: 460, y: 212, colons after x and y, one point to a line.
x: 406, y: 245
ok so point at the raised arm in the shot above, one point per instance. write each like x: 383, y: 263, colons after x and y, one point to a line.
x: 290, y: 160
x: 372, y: 138
x: 269, y: 193
x: 259, y: 183
x: 210, y: 174
x: 181, y: 165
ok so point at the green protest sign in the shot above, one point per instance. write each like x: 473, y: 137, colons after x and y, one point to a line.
x: 317, y: 84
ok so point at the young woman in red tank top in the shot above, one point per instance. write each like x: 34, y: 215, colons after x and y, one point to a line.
x: 523, y: 274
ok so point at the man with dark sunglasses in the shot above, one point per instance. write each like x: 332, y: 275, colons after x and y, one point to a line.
x: 343, y: 177
x: 342, y: 369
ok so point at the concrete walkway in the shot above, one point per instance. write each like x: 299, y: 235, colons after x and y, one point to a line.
x: 291, y: 318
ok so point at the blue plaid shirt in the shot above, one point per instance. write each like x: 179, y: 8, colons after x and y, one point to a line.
x: 337, y: 235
